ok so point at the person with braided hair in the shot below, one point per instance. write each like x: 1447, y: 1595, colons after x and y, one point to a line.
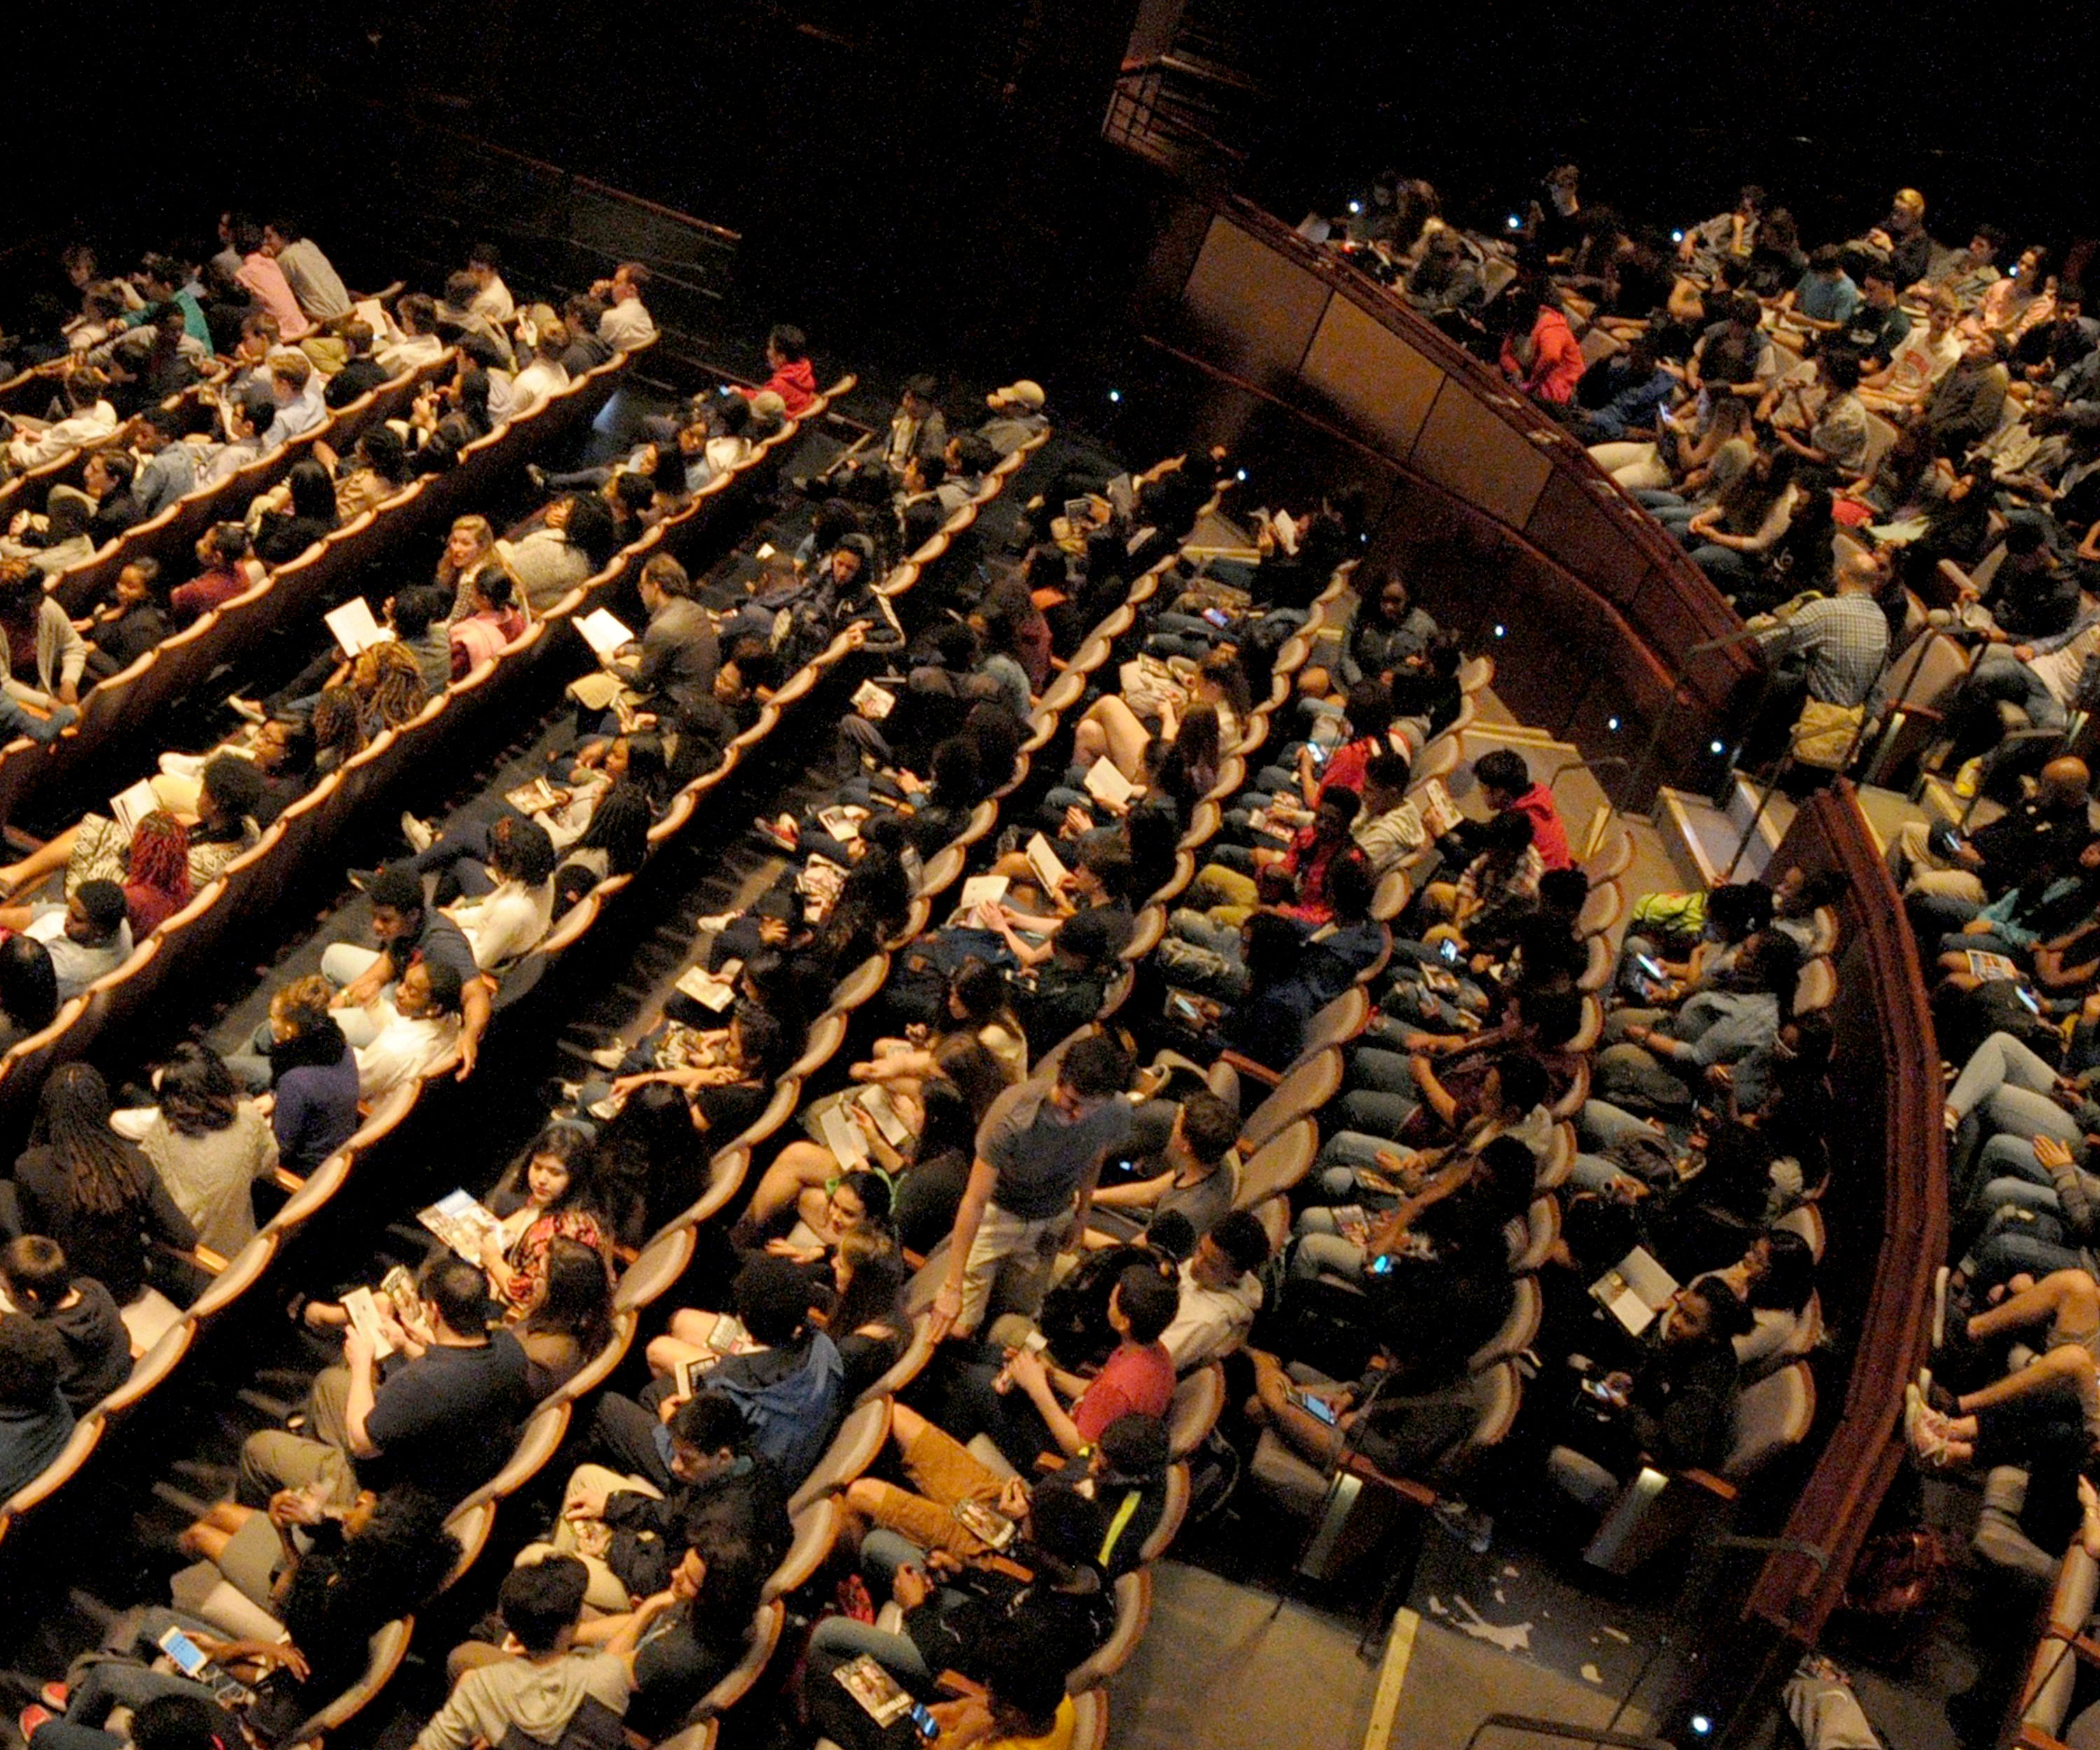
x: 98, y: 849
x: 388, y: 687
x: 82, y: 1184
x: 156, y: 872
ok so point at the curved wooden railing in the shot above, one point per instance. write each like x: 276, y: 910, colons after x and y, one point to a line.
x: 1887, y: 1221
x: 1506, y: 527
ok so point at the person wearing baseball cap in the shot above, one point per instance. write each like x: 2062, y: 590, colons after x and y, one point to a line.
x: 1016, y: 411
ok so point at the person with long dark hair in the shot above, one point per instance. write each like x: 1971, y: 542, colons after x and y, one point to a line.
x: 82, y: 1184
x: 571, y: 1320
x: 283, y: 535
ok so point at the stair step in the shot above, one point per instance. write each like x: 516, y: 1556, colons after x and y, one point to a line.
x: 1706, y: 844
x: 276, y: 1408
x: 189, y: 1506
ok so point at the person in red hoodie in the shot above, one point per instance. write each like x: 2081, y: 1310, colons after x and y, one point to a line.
x: 794, y: 378
x: 1506, y: 783
x: 1539, y: 353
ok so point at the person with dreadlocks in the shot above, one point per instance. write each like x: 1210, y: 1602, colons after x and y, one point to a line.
x: 82, y: 1184
x: 338, y: 737
x: 388, y: 687
x: 99, y: 847
x: 156, y: 872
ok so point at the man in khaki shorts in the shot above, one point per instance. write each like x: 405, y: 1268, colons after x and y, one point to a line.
x: 1039, y: 1152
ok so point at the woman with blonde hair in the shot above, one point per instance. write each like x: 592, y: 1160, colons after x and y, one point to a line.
x: 467, y: 548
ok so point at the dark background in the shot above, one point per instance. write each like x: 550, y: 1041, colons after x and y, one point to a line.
x: 924, y: 178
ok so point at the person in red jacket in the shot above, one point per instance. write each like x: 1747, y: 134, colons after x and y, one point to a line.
x: 1539, y: 353
x: 794, y: 378
x: 1506, y: 783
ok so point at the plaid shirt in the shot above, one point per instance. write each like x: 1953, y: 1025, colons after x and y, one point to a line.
x: 1481, y: 896
x: 1844, y: 640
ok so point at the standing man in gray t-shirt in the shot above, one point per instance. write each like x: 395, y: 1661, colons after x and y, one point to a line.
x: 1039, y: 1148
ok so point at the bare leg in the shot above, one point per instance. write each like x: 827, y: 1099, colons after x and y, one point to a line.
x: 1126, y: 736
x: 2067, y: 1367
x: 39, y: 864
x: 1090, y: 741
x: 206, y: 1539
x: 2069, y: 1299
x: 798, y: 1167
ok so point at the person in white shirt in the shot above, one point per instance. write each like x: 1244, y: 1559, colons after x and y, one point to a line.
x: 1388, y: 828
x: 506, y: 922
x: 1927, y: 354
x: 88, y: 936
x: 90, y: 417
x: 246, y: 419
x: 544, y: 376
x: 208, y: 1143
x: 492, y: 297
x: 418, y: 343
x: 626, y: 324
x: 313, y: 279
x: 414, y: 1033
x: 1220, y: 1292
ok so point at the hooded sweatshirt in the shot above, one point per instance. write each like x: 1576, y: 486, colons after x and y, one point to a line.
x: 794, y: 382
x: 539, y: 1699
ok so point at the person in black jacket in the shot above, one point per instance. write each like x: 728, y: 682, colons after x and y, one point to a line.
x: 44, y: 1286
x: 955, y: 1623
x: 136, y: 622
x: 360, y: 372
x: 1677, y: 1406
x: 627, y: 1531
x: 284, y: 535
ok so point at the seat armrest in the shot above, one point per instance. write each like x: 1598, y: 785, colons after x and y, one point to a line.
x: 1247, y: 1066
x: 199, y: 1257
x: 1717, y: 1487
x: 290, y: 1184
x: 1356, y: 1465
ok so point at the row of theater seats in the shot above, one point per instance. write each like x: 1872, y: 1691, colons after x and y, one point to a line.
x: 1279, y: 1141
x: 293, y: 594
x: 162, y: 1334
x: 1198, y: 1399
x: 662, y: 1259
x: 31, y: 490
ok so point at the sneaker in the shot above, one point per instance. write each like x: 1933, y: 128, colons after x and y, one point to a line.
x: 1476, y: 1530
x: 246, y: 709
x: 419, y: 833
x: 1925, y: 1430
x: 55, y: 1694
x: 538, y: 476
x: 609, y: 1056
x: 30, y: 1718
x: 780, y: 834
x: 1968, y: 777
